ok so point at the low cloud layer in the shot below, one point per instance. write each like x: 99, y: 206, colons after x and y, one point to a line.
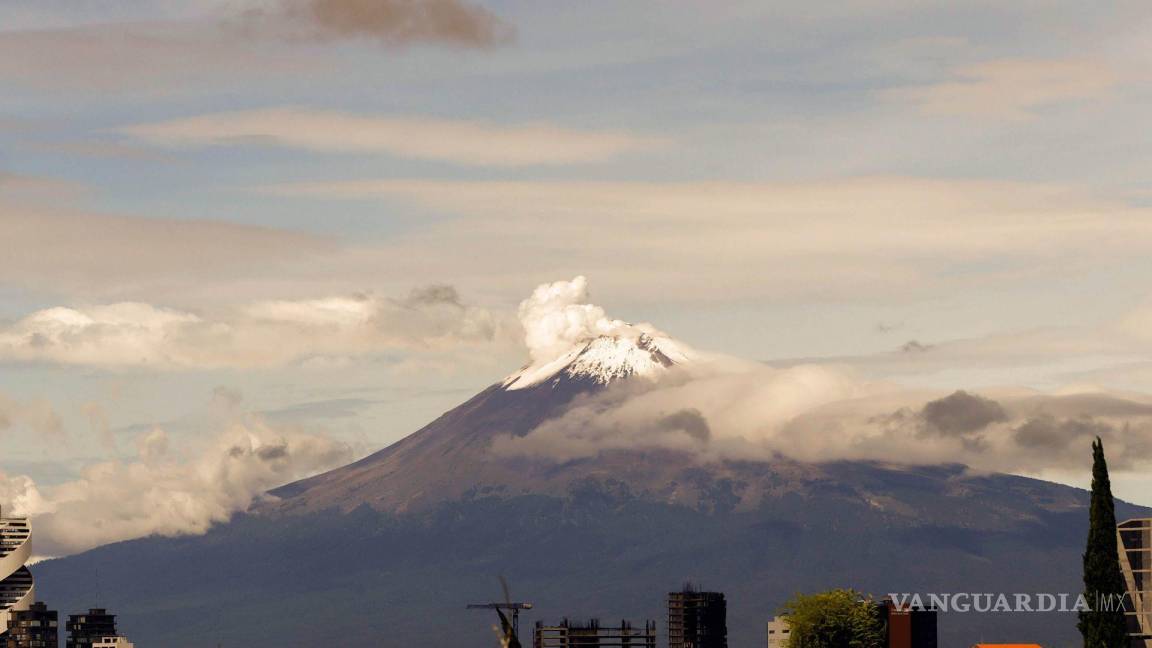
x: 727, y: 410
x: 162, y: 494
x: 456, y: 141
x: 267, y: 333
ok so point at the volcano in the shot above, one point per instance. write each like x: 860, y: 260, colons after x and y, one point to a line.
x: 388, y: 550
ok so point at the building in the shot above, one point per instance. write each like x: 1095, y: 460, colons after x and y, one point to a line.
x: 1134, y: 542
x: 113, y: 642
x: 84, y: 630
x: 594, y: 635
x: 697, y: 619
x: 36, y: 627
x: 778, y: 631
x: 907, y: 626
x: 17, y: 589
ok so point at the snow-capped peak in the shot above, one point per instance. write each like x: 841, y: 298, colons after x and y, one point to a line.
x: 631, y: 352
x: 568, y: 337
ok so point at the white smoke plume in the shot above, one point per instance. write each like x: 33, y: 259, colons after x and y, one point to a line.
x: 558, y: 316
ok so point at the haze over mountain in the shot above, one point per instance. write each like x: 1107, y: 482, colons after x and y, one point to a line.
x: 592, y: 505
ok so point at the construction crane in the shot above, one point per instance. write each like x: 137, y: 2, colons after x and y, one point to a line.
x: 510, y: 631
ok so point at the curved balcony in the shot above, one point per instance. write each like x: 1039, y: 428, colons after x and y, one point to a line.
x: 17, y: 589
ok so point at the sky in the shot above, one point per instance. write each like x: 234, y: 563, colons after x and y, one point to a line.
x: 248, y: 240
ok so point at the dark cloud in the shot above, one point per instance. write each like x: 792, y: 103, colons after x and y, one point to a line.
x: 1052, y: 434
x: 272, y: 452
x: 914, y: 346
x: 689, y: 421
x: 961, y: 414
x: 434, y: 294
x: 398, y: 22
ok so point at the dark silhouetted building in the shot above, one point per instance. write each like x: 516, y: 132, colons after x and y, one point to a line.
x: 87, y: 629
x: 36, y: 627
x: 594, y: 635
x: 697, y: 619
x: 908, y: 626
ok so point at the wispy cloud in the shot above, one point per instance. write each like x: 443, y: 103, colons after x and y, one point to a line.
x: 457, y: 141
x: 842, y: 237
x: 76, y: 252
x: 1011, y: 89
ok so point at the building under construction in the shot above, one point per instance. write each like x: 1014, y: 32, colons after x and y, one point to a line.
x: 1134, y: 542
x: 593, y: 635
x: 697, y: 619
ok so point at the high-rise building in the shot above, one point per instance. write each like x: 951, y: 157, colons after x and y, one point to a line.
x: 907, y: 626
x: 697, y: 619
x: 1134, y: 542
x: 594, y: 635
x: 36, y: 627
x: 84, y: 630
x: 17, y: 589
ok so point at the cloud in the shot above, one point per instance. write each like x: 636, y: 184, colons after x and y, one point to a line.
x: 158, y: 494
x: 456, y: 141
x: 1012, y: 89
x: 392, y: 22
x: 882, y: 237
x: 228, y: 43
x: 722, y: 409
x: 260, y: 334
x: 65, y: 251
x: 961, y: 414
x: 716, y: 408
x: 832, y: 238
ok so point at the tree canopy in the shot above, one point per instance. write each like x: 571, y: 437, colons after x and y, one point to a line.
x: 839, y: 618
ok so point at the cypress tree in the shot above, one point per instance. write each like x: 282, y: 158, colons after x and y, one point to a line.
x: 1102, y: 578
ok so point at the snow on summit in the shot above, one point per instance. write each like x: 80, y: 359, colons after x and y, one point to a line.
x: 568, y: 337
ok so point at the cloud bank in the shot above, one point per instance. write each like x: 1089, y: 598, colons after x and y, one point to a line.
x: 159, y: 494
x: 719, y: 408
x: 260, y: 334
x: 813, y: 413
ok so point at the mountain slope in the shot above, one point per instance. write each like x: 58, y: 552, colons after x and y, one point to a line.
x: 450, y: 456
x: 390, y: 549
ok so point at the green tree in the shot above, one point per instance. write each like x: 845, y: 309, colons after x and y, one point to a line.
x: 1102, y: 577
x: 839, y: 618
